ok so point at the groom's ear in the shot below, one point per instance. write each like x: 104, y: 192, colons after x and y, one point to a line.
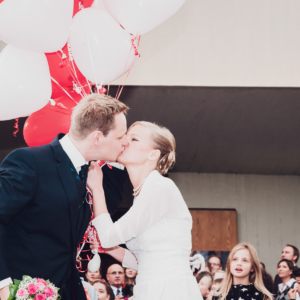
x: 154, y: 154
x: 97, y: 135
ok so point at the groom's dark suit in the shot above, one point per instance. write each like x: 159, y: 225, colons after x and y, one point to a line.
x: 39, y: 206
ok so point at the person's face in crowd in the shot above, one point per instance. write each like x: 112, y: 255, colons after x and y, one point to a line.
x: 115, y: 275
x: 288, y: 253
x: 298, y: 284
x: 91, y: 276
x: 139, y: 148
x: 111, y: 146
x: 215, y: 287
x: 205, y: 286
x: 130, y: 273
x: 240, y: 266
x: 101, y: 291
x: 215, y: 264
x: 283, y: 270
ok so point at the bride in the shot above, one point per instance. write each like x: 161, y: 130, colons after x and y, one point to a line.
x: 157, y: 228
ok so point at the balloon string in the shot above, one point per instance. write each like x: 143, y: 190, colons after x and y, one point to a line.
x: 17, y: 127
x: 119, y: 87
x: 119, y: 91
x: 63, y: 89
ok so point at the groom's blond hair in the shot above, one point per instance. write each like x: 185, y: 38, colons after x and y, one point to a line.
x: 95, y: 112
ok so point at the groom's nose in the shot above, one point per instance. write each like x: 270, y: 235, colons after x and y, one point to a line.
x: 124, y: 140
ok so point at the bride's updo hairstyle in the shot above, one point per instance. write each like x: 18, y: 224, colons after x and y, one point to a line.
x: 164, y: 141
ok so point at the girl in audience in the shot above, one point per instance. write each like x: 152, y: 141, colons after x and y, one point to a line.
x: 204, y: 280
x: 130, y: 276
x: 243, y: 278
x: 103, y: 289
x: 92, y: 276
x: 286, y: 289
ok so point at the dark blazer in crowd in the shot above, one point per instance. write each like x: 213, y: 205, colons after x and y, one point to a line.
x: 278, y: 280
x: 45, y: 215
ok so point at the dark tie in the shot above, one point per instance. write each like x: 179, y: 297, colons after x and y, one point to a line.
x: 83, y: 173
x: 118, y: 292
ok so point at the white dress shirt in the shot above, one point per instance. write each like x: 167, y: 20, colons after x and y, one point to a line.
x: 77, y: 160
x: 288, y: 284
x: 75, y: 156
x: 115, y: 290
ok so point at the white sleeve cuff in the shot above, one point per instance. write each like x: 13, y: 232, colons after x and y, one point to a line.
x: 129, y: 260
x: 5, y: 282
x: 102, y: 223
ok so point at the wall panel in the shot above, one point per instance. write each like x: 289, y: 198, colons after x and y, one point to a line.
x: 268, y: 207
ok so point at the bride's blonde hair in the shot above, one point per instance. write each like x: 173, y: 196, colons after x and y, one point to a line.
x: 164, y: 141
x: 255, y: 277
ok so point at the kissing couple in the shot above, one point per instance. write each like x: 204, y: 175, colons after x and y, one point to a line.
x: 44, y: 213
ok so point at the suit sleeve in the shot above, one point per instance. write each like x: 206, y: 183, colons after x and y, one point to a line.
x: 18, y: 181
x: 113, y: 183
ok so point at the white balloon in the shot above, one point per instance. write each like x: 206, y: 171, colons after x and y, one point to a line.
x: 25, y: 82
x: 95, y: 263
x: 36, y: 25
x: 98, y: 4
x: 141, y: 16
x: 101, y: 49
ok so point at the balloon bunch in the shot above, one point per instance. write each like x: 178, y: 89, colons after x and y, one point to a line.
x: 60, y: 49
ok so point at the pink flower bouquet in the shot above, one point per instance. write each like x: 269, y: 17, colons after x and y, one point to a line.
x: 33, y: 289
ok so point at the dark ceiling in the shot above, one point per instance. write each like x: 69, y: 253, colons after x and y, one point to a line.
x: 219, y: 130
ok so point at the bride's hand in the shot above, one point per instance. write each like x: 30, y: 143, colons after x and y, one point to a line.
x: 95, y: 177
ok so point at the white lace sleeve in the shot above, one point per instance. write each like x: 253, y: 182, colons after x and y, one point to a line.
x: 129, y: 260
x: 151, y: 206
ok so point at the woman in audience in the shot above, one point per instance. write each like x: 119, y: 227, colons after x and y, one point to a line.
x: 129, y: 283
x: 286, y: 289
x: 204, y: 280
x: 92, y: 276
x: 267, y: 278
x: 103, y: 289
x: 243, y: 278
x: 130, y: 276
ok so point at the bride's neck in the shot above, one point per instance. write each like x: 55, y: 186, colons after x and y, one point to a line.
x: 138, y: 174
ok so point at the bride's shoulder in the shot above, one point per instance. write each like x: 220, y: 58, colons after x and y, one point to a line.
x: 160, y: 181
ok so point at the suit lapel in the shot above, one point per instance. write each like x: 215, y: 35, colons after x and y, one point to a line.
x: 68, y: 182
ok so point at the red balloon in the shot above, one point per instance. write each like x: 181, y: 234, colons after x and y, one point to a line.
x: 58, y: 92
x: 63, y: 70
x: 79, y: 3
x: 44, y: 125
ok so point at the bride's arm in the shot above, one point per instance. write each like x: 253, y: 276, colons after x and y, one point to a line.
x: 148, y: 209
x: 124, y: 256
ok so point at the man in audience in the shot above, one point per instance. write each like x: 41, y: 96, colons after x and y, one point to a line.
x: 289, y: 252
x: 297, y: 277
x: 116, y: 277
x: 216, y: 264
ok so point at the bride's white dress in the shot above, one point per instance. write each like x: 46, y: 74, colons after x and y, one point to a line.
x: 157, y: 229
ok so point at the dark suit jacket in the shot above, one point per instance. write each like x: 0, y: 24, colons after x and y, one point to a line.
x: 39, y: 205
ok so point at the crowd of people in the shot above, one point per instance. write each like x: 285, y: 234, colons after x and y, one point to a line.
x: 245, y: 273
x: 116, y: 285
x: 245, y: 278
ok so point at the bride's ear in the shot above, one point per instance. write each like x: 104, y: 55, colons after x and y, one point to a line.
x: 154, y: 154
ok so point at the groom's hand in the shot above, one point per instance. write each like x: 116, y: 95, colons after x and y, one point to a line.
x: 4, y: 293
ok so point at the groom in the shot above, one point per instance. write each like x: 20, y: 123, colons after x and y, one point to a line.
x: 43, y: 210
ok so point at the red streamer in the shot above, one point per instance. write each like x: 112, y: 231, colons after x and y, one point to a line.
x: 90, y: 235
x: 17, y: 127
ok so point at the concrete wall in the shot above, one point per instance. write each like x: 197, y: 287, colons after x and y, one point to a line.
x: 268, y: 207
